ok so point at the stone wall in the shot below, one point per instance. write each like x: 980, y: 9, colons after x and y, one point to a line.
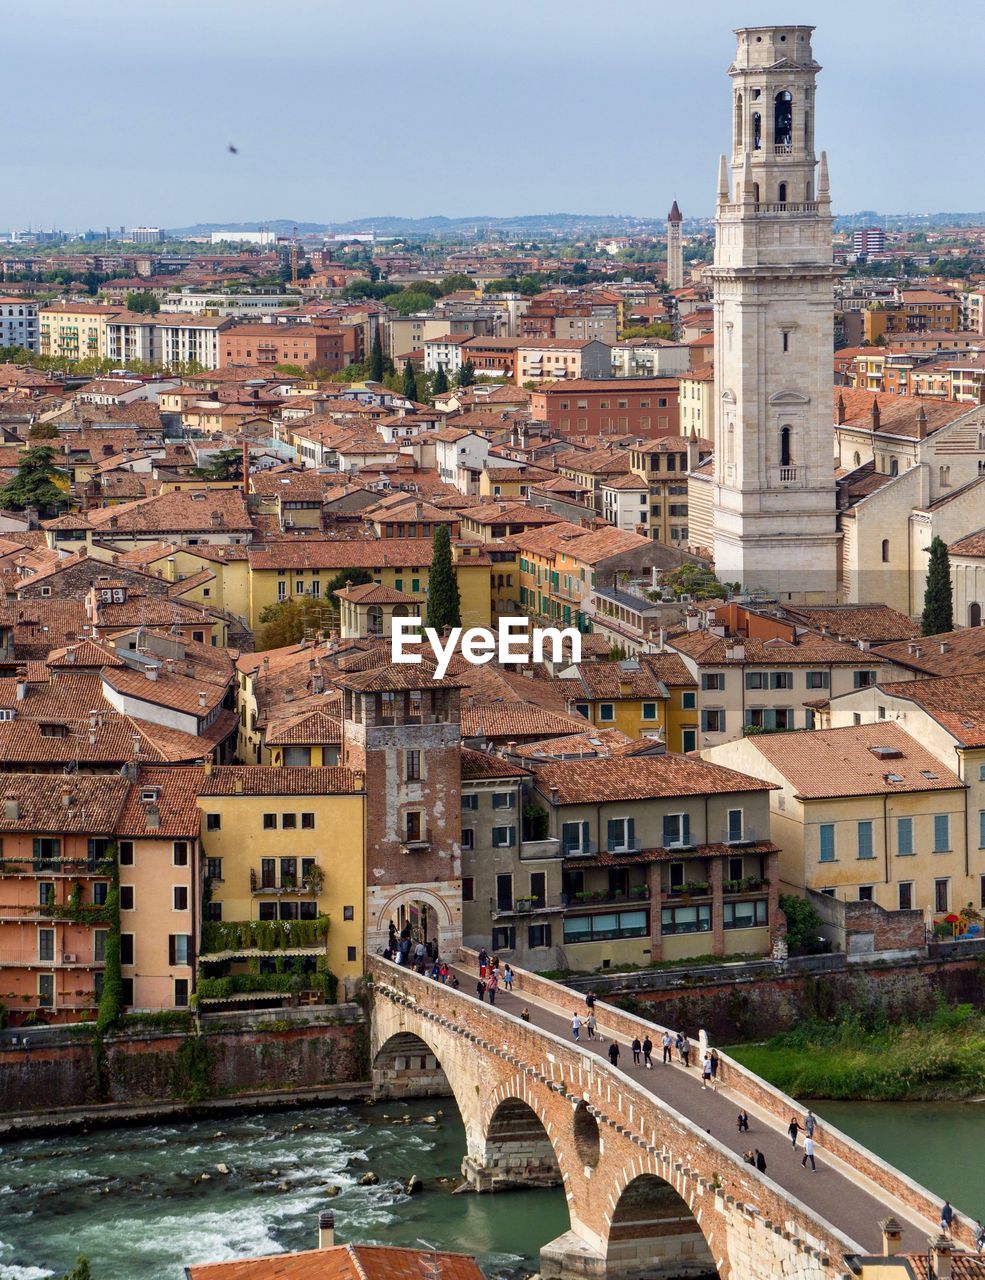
x: 145, y: 1068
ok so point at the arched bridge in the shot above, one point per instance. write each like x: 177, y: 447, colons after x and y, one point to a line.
x: 651, y: 1163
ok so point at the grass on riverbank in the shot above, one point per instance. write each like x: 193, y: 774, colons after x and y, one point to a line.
x: 940, y: 1057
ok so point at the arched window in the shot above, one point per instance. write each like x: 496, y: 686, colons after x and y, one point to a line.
x: 894, y: 466
x: 975, y: 615
x: 755, y: 192
x: 858, y: 458
x: 783, y: 119
x: 945, y: 477
x: 786, y: 447
x: 739, y: 130
x: 885, y: 551
x: 757, y: 131
x: 730, y: 453
x: 807, y: 130
x: 808, y: 191
x: 781, y: 193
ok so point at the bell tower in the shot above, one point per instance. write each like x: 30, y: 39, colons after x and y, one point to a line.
x: 774, y: 493
x: 675, y: 249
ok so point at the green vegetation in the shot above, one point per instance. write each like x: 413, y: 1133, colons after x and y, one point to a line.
x: 143, y: 302
x: 33, y: 485
x: 456, y: 282
x: 263, y: 935
x: 803, y: 922
x: 657, y: 330
x: 938, y: 609
x: 277, y: 983
x: 444, y: 602
x: 409, y: 387
x: 465, y: 377
x: 376, y: 368
x: 864, y: 1057
x: 290, y: 620
x: 695, y: 580
x: 194, y: 1063
x: 83, y: 913
x: 111, y: 999
x: 226, y: 465
x: 440, y: 384
x: 43, y: 431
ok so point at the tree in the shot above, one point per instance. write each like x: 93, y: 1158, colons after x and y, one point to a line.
x: 226, y: 465
x: 288, y: 621
x: 376, y: 358
x: 444, y: 603
x: 803, y: 922
x: 43, y: 431
x: 466, y: 374
x: 440, y: 384
x: 938, y: 609
x: 350, y: 578
x: 143, y: 302
x: 693, y: 580
x: 456, y: 282
x: 33, y: 486
x: 410, y: 300
x: 410, y: 382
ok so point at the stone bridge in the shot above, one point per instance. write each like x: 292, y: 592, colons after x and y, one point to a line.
x: 650, y: 1163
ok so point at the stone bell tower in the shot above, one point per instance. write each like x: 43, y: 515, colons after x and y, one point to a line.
x: 774, y: 495
x: 675, y: 249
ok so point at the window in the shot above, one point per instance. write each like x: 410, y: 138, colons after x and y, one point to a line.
x: 126, y: 897
x: 712, y: 721
x: 817, y: 679
x: 503, y: 837
x: 885, y: 551
x: 297, y: 756
x: 181, y: 993
x: 649, y: 711
x: 412, y: 763
x: 468, y: 838
x: 504, y: 800
x: 270, y: 822
x: 47, y: 853
x: 826, y: 841
x: 213, y: 822
x: 610, y: 924
x: 504, y: 938
x: 470, y: 802
x: 786, y: 446
x: 179, y: 948
x: 413, y: 824
x: 607, y: 712
x: 904, y: 895
x: 538, y: 935
x: 757, y: 680
x: 468, y: 888
x: 213, y: 911
x: 307, y: 822
x: 126, y: 948
x: 100, y: 892
x: 942, y: 895
x: 99, y: 945
x: 713, y: 680
x: 126, y: 853
x: 864, y: 833
x: 583, y: 710
x: 696, y: 919
x: 745, y: 915
x: 904, y: 836
x: 689, y: 700
x: 942, y: 832
x: 350, y: 953
x: 676, y: 829
x: 621, y: 835
x: 180, y: 897
x: 46, y: 946
x: 504, y: 892
x: 288, y: 821
x: 348, y: 913
x: 864, y: 679
x: 574, y: 838
x: 735, y: 825
x: 46, y: 893
x: 46, y: 990
x: 865, y: 893
x: 179, y: 853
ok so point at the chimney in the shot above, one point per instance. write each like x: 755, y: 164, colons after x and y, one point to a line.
x: 940, y: 1258
x: 11, y: 807
x: 288, y: 695
x: 238, y: 784
x: 151, y: 673
x: 202, y: 698
x: 944, y: 646
x: 892, y: 1236
x: 21, y: 690
x: 693, y: 622
x: 152, y: 814
x: 66, y: 797
x: 875, y: 414
x: 921, y: 422
x: 735, y: 651
x: 326, y: 1229
x: 840, y: 410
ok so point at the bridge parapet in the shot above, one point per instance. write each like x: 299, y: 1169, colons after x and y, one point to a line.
x: 747, y: 1086
x: 648, y: 1191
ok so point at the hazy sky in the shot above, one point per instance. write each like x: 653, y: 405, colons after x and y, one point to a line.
x: 121, y: 113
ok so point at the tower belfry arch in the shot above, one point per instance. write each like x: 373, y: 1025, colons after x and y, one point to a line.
x: 775, y: 522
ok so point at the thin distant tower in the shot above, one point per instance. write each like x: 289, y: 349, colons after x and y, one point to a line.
x: 675, y: 249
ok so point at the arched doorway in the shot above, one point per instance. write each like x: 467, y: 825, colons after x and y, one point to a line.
x: 417, y: 913
x: 518, y: 1150
x: 654, y: 1233
x: 974, y: 614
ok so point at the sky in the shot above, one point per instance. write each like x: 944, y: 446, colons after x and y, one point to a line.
x: 122, y: 113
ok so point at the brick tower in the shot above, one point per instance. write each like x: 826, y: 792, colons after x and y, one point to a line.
x: 675, y: 249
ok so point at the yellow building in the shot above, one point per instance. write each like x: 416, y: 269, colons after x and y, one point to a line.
x: 217, y: 575
x: 284, y: 852
x: 648, y: 696
x: 74, y: 330
x: 865, y: 813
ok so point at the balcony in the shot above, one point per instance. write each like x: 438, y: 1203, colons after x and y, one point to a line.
x: 584, y: 850
x: 788, y: 474
x: 624, y: 846
x: 311, y: 883
x: 783, y: 148
x: 608, y: 897
x: 419, y: 845
x: 545, y: 848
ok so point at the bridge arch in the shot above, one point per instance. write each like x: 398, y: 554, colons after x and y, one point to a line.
x: 653, y: 1231
x: 519, y: 1151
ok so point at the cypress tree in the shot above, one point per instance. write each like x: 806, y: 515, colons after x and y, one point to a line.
x: 440, y: 384
x: 938, y: 611
x: 466, y: 374
x: 376, y: 359
x: 444, y: 603
x: 410, y: 382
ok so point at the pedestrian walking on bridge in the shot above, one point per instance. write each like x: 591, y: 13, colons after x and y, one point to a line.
x: 947, y: 1218
x: 614, y: 1054
x: 809, y: 1154
x: 647, y: 1050
x: 637, y: 1050
x: 590, y: 1025
x: 667, y: 1043
x: 793, y: 1129
x: 575, y: 1026
x: 810, y: 1123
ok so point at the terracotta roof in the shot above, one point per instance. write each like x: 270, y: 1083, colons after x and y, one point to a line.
x: 897, y: 414
x: 310, y: 728
x: 182, y: 510
x: 193, y: 695
x: 393, y: 679
x: 265, y: 780
x: 341, y: 553
x: 827, y: 763
x: 874, y: 622
x: 952, y: 653
x: 81, y: 803
x: 640, y: 778
x: 591, y: 743
x: 809, y: 650
x: 344, y: 1262
x: 957, y: 704
x: 177, y: 814
x: 972, y: 545
x: 477, y: 765
x: 509, y: 721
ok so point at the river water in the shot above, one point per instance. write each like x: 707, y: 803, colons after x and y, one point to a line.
x: 129, y: 1198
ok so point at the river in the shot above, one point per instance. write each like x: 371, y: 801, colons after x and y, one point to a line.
x: 129, y: 1198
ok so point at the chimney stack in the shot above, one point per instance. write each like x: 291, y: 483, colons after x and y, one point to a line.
x: 326, y: 1229
x: 892, y: 1236
x: 940, y: 1258
x: 11, y: 807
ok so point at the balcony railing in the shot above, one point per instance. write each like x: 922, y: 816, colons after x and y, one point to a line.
x: 310, y: 883
x: 787, y: 474
x: 583, y: 850
x: 624, y: 846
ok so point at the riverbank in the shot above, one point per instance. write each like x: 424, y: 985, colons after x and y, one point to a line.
x: 941, y: 1057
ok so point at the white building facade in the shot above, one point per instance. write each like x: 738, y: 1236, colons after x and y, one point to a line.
x: 19, y: 323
